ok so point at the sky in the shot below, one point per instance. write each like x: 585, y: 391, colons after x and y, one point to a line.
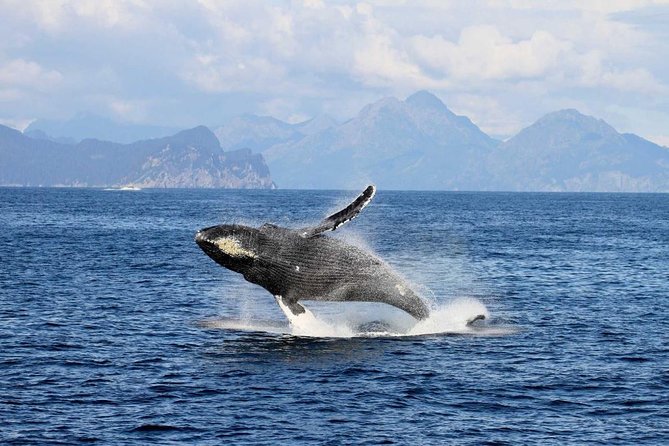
x: 503, y: 64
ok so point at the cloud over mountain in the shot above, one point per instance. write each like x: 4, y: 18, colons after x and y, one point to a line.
x: 182, y: 64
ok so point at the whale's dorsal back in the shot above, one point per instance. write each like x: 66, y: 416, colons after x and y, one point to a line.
x: 337, y: 219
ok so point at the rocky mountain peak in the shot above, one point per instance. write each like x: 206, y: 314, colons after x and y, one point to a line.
x: 575, y: 120
x: 567, y: 126
x: 426, y: 100
x: 200, y: 137
x: 254, y: 132
x: 85, y: 125
x: 8, y: 132
x: 190, y: 158
x: 387, y: 105
x: 316, y: 125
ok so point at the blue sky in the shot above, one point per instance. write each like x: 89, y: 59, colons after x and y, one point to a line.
x: 184, y: 63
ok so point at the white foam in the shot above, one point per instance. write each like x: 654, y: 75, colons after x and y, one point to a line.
x: 453, y: 317
x: 307, y: 324
x: 351, y: 320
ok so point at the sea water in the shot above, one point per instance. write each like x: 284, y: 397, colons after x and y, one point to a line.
x: 116, y: 328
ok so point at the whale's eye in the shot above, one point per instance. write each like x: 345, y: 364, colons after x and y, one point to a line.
x: 232, y: 247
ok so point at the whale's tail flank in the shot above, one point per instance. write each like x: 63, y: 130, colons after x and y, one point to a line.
x: 478, y: 317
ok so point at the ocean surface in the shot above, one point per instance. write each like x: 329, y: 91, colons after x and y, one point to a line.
x: 115, y: 328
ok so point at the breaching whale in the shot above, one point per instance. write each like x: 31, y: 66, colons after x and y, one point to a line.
x: 305, y: 264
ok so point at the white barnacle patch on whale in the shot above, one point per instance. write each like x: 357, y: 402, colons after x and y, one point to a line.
x: 233, y: 248
x: 401, y: 289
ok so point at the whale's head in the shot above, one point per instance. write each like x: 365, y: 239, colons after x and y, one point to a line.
x: 233, y: 246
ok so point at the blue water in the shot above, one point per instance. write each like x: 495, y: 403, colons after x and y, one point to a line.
x: 116, y: 328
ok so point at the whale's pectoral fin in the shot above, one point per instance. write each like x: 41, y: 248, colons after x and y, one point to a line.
x: 297, y: 315
x: 292, y: 306
x: 339, y: 218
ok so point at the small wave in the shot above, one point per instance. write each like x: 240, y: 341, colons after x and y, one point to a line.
x: 155, y: 428
x: 453, y: 317
x: 258, y: 325
x: 123, y: 189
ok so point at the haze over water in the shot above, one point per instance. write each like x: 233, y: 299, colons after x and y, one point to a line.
x: 115, y: 327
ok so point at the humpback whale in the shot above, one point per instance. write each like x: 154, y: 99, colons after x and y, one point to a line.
x: 306, y: 264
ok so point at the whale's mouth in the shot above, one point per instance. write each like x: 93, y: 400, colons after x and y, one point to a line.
x: 229, y: 246
x: 203, y: 240
x: 200, y: 237
x: 206, y: 244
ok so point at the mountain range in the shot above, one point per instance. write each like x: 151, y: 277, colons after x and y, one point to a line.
x: 91, y: 126
x: 190, y: 158
x: 417, y: 143
x: 412, y: 144
x: 568, y: 151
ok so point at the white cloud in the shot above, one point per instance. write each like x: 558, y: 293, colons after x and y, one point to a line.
x: 316, y: 4
x: 378, y: 62
x: 600, y: 6
x: 293, y: 47
x: 17, y: 124
x: 635, y: 80
x: 504, y: 63
x: 129, y: 110
x: 57, y: 16
x: 283, y: 108
x: 26, y: 73
x: 218, y: 75
x: 662, y: 140
x: 483, y: 53
x: 488, y: 113
x: 593, y: 73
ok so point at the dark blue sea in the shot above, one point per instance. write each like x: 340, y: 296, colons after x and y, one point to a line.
x: 115, y: 328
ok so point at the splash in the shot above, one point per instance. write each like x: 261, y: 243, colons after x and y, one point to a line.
x: 307, y: 324
x: 380, y: 320
x: 454, y: 317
